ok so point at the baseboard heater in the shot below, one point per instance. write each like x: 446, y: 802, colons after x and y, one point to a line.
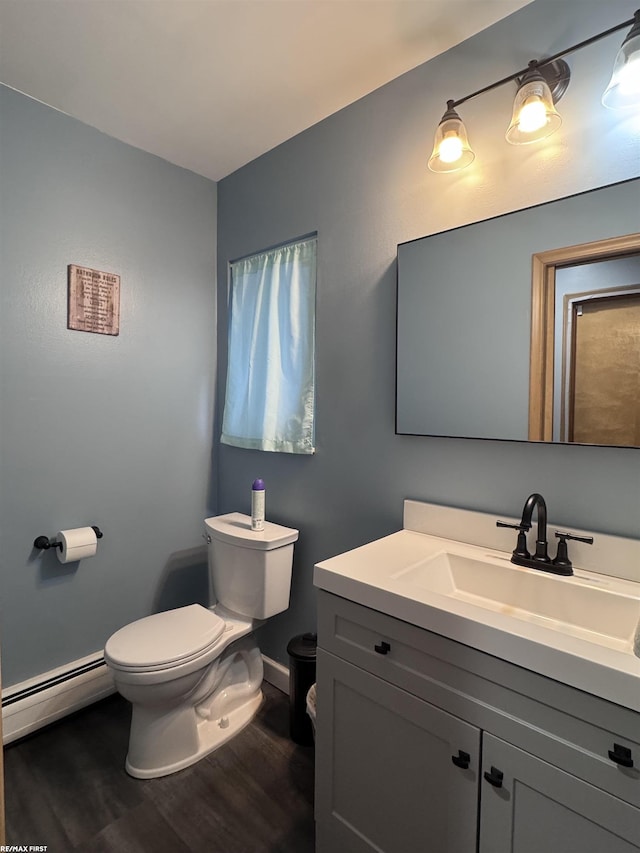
x: 39, y: 701
x: 35, y: 703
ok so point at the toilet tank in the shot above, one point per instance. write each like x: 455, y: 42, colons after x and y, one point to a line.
x: 250, y: 570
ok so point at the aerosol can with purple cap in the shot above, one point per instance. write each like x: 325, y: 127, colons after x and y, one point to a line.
x: 257, y: 505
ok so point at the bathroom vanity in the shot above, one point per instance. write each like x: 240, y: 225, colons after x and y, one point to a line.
x: 459, y: 710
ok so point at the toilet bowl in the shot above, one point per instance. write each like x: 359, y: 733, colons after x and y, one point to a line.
x: 193, y: 675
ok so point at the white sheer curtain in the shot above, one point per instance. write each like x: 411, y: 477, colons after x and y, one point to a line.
x: 270, y: 392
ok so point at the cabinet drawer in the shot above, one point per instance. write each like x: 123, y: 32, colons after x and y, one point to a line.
x: 581, y: 733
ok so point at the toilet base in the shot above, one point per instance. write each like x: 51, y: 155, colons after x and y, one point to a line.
x: 210, y: 734
x: 177, y: 722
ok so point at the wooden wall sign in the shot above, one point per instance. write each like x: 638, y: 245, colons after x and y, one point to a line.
x: 94, y: 301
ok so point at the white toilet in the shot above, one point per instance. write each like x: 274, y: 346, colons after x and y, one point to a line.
x: 194, y: 675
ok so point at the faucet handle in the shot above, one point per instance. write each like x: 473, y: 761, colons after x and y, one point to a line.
x: 523, y: 528
x: 588, y: 540
x: 521, y: 549
x: 562, y: 560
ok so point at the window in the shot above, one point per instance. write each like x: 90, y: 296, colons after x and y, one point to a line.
x: 270, y: 394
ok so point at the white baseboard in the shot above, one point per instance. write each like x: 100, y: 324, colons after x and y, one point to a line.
x: 32, y: 704
x: 35, y: 703
x: 277, y: 674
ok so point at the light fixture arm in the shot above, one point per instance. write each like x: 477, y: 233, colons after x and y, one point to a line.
x: 540, y: 63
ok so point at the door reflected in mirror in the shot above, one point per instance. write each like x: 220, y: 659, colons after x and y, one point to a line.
x: 593, y: 293
x: 603, y: 400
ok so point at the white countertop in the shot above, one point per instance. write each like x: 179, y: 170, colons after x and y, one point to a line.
x: 372, y: 576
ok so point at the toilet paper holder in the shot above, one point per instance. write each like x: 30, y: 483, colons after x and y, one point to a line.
x: 43, y: 543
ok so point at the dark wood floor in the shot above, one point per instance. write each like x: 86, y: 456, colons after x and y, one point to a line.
x: 66, y: 788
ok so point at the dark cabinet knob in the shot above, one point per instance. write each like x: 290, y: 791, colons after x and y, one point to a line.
x: 462, y: 759
x: 621, y: 755
x: 382, y: 648
x: 494, y: 777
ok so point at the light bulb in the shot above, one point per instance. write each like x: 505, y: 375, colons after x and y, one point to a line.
x: 533, y: 115
x: 623, y: 91
x: 450, y: 148
x: 629, y: 80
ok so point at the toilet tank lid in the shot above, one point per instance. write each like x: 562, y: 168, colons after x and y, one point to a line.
x: 235, y: 528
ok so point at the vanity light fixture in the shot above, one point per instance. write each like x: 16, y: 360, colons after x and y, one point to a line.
x: 540, y: 87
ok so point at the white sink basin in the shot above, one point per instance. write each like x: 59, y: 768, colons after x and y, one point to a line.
x: 588, y: 609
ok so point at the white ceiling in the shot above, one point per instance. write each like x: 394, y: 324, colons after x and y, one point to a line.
x: 212, y: 84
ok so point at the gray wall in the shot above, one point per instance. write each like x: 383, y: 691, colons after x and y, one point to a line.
x: 113, y: 431
x: 360, y: 179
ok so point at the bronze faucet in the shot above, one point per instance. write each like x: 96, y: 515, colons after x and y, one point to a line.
x: 561, y: 565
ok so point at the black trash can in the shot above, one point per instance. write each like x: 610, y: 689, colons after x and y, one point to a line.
x: 302, y: 674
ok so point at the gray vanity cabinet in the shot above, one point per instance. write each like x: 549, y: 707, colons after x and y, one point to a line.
x: 424, y: 745
x: 390, y: 784
x: 541, y: 809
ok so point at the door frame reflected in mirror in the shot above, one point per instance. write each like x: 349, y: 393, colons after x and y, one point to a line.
x: 543, y: 292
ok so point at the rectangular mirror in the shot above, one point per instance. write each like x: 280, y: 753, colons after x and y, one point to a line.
x: 471, y: 337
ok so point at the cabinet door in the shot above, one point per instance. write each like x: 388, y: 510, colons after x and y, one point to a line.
x: 537, y: 808
x: 385, y: 779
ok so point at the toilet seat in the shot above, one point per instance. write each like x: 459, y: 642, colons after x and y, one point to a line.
x: 164, y: 640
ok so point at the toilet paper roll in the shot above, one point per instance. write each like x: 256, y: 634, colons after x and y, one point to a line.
x: 77, y: 544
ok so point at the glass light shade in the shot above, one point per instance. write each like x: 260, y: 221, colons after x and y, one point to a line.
x: 451, y: 149
x: 534, y: 114
x: 623, y: 90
